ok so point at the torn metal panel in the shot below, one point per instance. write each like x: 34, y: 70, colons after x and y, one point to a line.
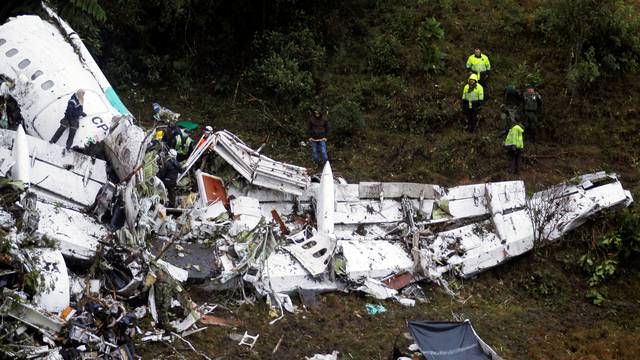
x: 57, y: 173
x: 53, y: 294
x: 125, y: 147
x: 247, y: 214
x: 375, y: 259
x: 284, y: 274
x: 378, y: 190
x: 465, y: 201
x: 259, y: 169
x: 506, y: 195
x: 314, y: 253
x: 48, y: 324
x: 77, y: 233
x: 211, y: 189
x: 377, y: 289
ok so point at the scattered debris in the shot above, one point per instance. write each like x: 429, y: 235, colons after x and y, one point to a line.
x: 248, y: 340
x: 374, y: 309
x: 332, y: 356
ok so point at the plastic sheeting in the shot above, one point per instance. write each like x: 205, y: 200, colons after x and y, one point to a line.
x: 445, y: 340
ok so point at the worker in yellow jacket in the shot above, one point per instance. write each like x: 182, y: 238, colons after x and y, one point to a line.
x: 472, y: 99
x: 513, y: 144
x: 478, y: 63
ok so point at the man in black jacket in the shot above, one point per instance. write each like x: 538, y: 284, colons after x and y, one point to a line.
x: 318, y: 132
x: 71, y: 118
x: 168, y: 174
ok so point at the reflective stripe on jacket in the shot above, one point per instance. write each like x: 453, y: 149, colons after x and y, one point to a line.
x: 476, y: 94
x: 514, y: 137
x: 478, y: 65
x: 183, y: 148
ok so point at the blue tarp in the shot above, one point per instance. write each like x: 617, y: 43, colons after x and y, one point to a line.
x: 448, y: 340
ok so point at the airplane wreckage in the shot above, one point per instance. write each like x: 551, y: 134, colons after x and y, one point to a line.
x: 86, y: 237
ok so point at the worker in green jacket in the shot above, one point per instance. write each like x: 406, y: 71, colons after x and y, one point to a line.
x: 478, y: 63
x: 513, y: 144
x: 472, y: 100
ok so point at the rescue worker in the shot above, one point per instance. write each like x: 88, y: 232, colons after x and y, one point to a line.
x: 510, y: 107
x: 472, y: 99
x: 478, y: 63
x: 531, y: 104
x: 169, y: 173
x: 318, y: 132
x: 183, y: 144
x: 513, y: 144
x: 208, y: 131
x: 71, y: 118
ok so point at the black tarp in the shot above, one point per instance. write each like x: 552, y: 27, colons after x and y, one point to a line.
x: 448, y: 340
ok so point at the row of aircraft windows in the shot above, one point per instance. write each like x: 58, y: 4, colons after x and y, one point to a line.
x: 24, y: 63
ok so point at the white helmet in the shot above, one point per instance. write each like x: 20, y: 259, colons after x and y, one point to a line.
x: 173, y: 153
x: 208, y: 129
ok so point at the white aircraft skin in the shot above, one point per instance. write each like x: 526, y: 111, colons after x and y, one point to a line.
x: 326, y: 201
x: 47, y: 71
x: 20, y: 169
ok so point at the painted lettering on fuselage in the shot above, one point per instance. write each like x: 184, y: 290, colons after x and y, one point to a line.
x: 100, y: 123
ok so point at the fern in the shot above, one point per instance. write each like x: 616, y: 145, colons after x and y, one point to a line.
x: 92, y: 8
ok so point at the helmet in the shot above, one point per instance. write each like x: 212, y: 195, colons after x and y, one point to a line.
x: 173, y: 153
x: 473, y: 77
x: 156, y: 107
x: 208, y: 129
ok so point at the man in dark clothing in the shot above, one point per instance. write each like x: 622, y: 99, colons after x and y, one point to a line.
x: 531, y: 103
x: 169, y: 135
x: 168, y: 174
x: 510, y: 107
x: 71, y: 118
x: 318, y: 132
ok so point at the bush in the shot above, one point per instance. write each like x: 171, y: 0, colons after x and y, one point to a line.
x: 287, y: 63
x: 526, y: 75
x: 593, y: 33
x: 283, y: 77
x: 609, y: 252
x: 584, y: 72
x: 346, y: 120
x: 384, y: 54
x: 430, y: 41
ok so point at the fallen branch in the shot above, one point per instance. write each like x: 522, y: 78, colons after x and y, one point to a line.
x: 190, y: 346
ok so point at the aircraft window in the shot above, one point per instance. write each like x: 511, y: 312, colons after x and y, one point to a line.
x: 11, y: 52
x: 2, y: 42
x: 36, y: 74
x: 47, y: 85
x: 24, y: 63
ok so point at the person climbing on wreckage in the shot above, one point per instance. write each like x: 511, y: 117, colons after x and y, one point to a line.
x: 168, y: 174
x: 71, y: 119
